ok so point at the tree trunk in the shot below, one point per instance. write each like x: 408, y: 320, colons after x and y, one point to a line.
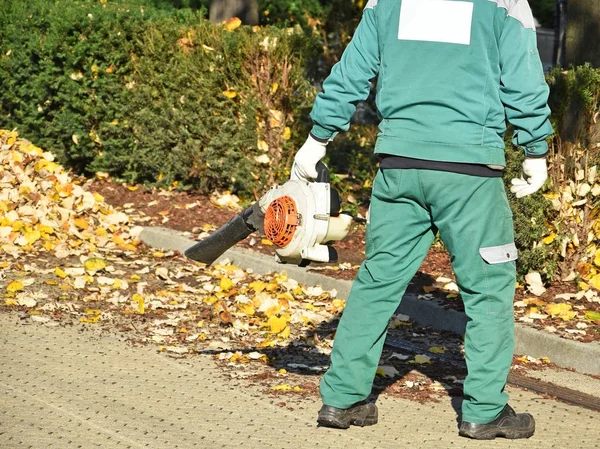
x: 583, y: 32
x: 245, y: 10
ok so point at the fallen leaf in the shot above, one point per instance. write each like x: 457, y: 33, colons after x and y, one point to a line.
x: 139, y: 299
x: 94, y: 264
x: 277, y: 324
x: 592, y: 316
x: 595, y: 282
x: 535, y: 284
x: 387, y: 371
x: 421, y: 359
x: 233, y: 24
x: 437, y: 350
x: 15, y: 286
x: 225, y: 284
x: 561, y: 310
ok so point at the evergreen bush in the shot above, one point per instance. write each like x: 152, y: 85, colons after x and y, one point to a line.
x: 155, y: 94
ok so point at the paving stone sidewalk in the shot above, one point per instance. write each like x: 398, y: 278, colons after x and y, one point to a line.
x: 72, y: 387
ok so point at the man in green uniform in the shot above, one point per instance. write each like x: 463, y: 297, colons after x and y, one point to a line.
x: 449, y: 75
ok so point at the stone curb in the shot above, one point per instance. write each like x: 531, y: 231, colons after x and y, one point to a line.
x: 583, y: 357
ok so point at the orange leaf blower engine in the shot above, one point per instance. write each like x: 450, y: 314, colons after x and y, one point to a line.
x: 301, y: 218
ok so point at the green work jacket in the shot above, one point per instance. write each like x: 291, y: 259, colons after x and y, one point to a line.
x: 449, y: 73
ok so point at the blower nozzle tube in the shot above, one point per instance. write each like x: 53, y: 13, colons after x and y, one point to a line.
x: 232, y: 232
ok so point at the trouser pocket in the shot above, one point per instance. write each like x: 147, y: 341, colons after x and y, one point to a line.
x: 499, y: 272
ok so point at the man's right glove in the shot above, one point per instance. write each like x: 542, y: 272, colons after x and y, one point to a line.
x: 305, y: 161
x: 535, y: 172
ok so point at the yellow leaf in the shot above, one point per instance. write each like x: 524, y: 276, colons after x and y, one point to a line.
x: 282, y: 371
x: 277, y: 324
x: 550, y: 196
x: 15, y: 286
x: 549, y: 239
x: 10, y: 302
x: 561, y: 310
x: 592, y: 316
x: 380, y: 372
x: 4, y: 264
x: 247, y: 309
x: 231, y: 268
x: 257, y: 286
x: 94, y: 264
x: 595, y: 281
x: 274, y: 87
x: 281, y: 387
x: 285, y: 333
x: 233, y: 24
x: 230, y: 93
x: 90, y: 319
x: 437, y: 350
x: 421, y: 359
x: 81, y: 223
x: 225, y: 284
x: 287, y: 133
x: 266, y: 242
x: 140, y: 302
x: 32, y: 236
x: 597, y: 258
x: 585, y: 287
x: 262, y: 145
x: 210, y: 300
x: 132, y: 188
x: 60, y: 273
x: 93, y: 135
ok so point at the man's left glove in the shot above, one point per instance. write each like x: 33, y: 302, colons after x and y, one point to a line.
x: 535, y: 172
x: 305, y: 161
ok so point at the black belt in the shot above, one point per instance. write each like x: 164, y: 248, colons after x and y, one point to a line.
x: 391, y: 161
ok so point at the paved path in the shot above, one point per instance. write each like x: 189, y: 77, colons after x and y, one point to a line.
x: 73, y: 388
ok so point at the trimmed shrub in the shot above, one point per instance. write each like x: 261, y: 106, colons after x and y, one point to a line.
x: 150, y: 94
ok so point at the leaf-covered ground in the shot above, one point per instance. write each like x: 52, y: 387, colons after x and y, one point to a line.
x: 560, y: 307
x: 70, y: 254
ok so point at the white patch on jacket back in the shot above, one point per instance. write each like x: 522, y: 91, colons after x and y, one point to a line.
x: 436, y: 21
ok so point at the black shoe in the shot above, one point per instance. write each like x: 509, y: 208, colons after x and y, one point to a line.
x: 360, y: 414
x: 507, y: 425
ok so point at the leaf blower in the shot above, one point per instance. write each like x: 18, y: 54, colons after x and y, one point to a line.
x: 300, y: 218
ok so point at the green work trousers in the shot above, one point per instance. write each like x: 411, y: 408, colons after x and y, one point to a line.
x: 408, y: 207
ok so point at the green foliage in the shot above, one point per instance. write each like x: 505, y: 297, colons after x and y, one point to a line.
x: 530, y: 216
x: 291, y: 12
x: 575, y: 104
x: 544, y: 11
x: 139, y: 92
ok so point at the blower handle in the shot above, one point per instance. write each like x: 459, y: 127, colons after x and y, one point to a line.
x: 322, y: 172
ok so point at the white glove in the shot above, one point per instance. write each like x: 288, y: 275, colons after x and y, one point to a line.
x: 536, y: 172
x: 305, y: 161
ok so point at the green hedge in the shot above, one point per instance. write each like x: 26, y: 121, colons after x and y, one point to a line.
x: 152, y: 94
